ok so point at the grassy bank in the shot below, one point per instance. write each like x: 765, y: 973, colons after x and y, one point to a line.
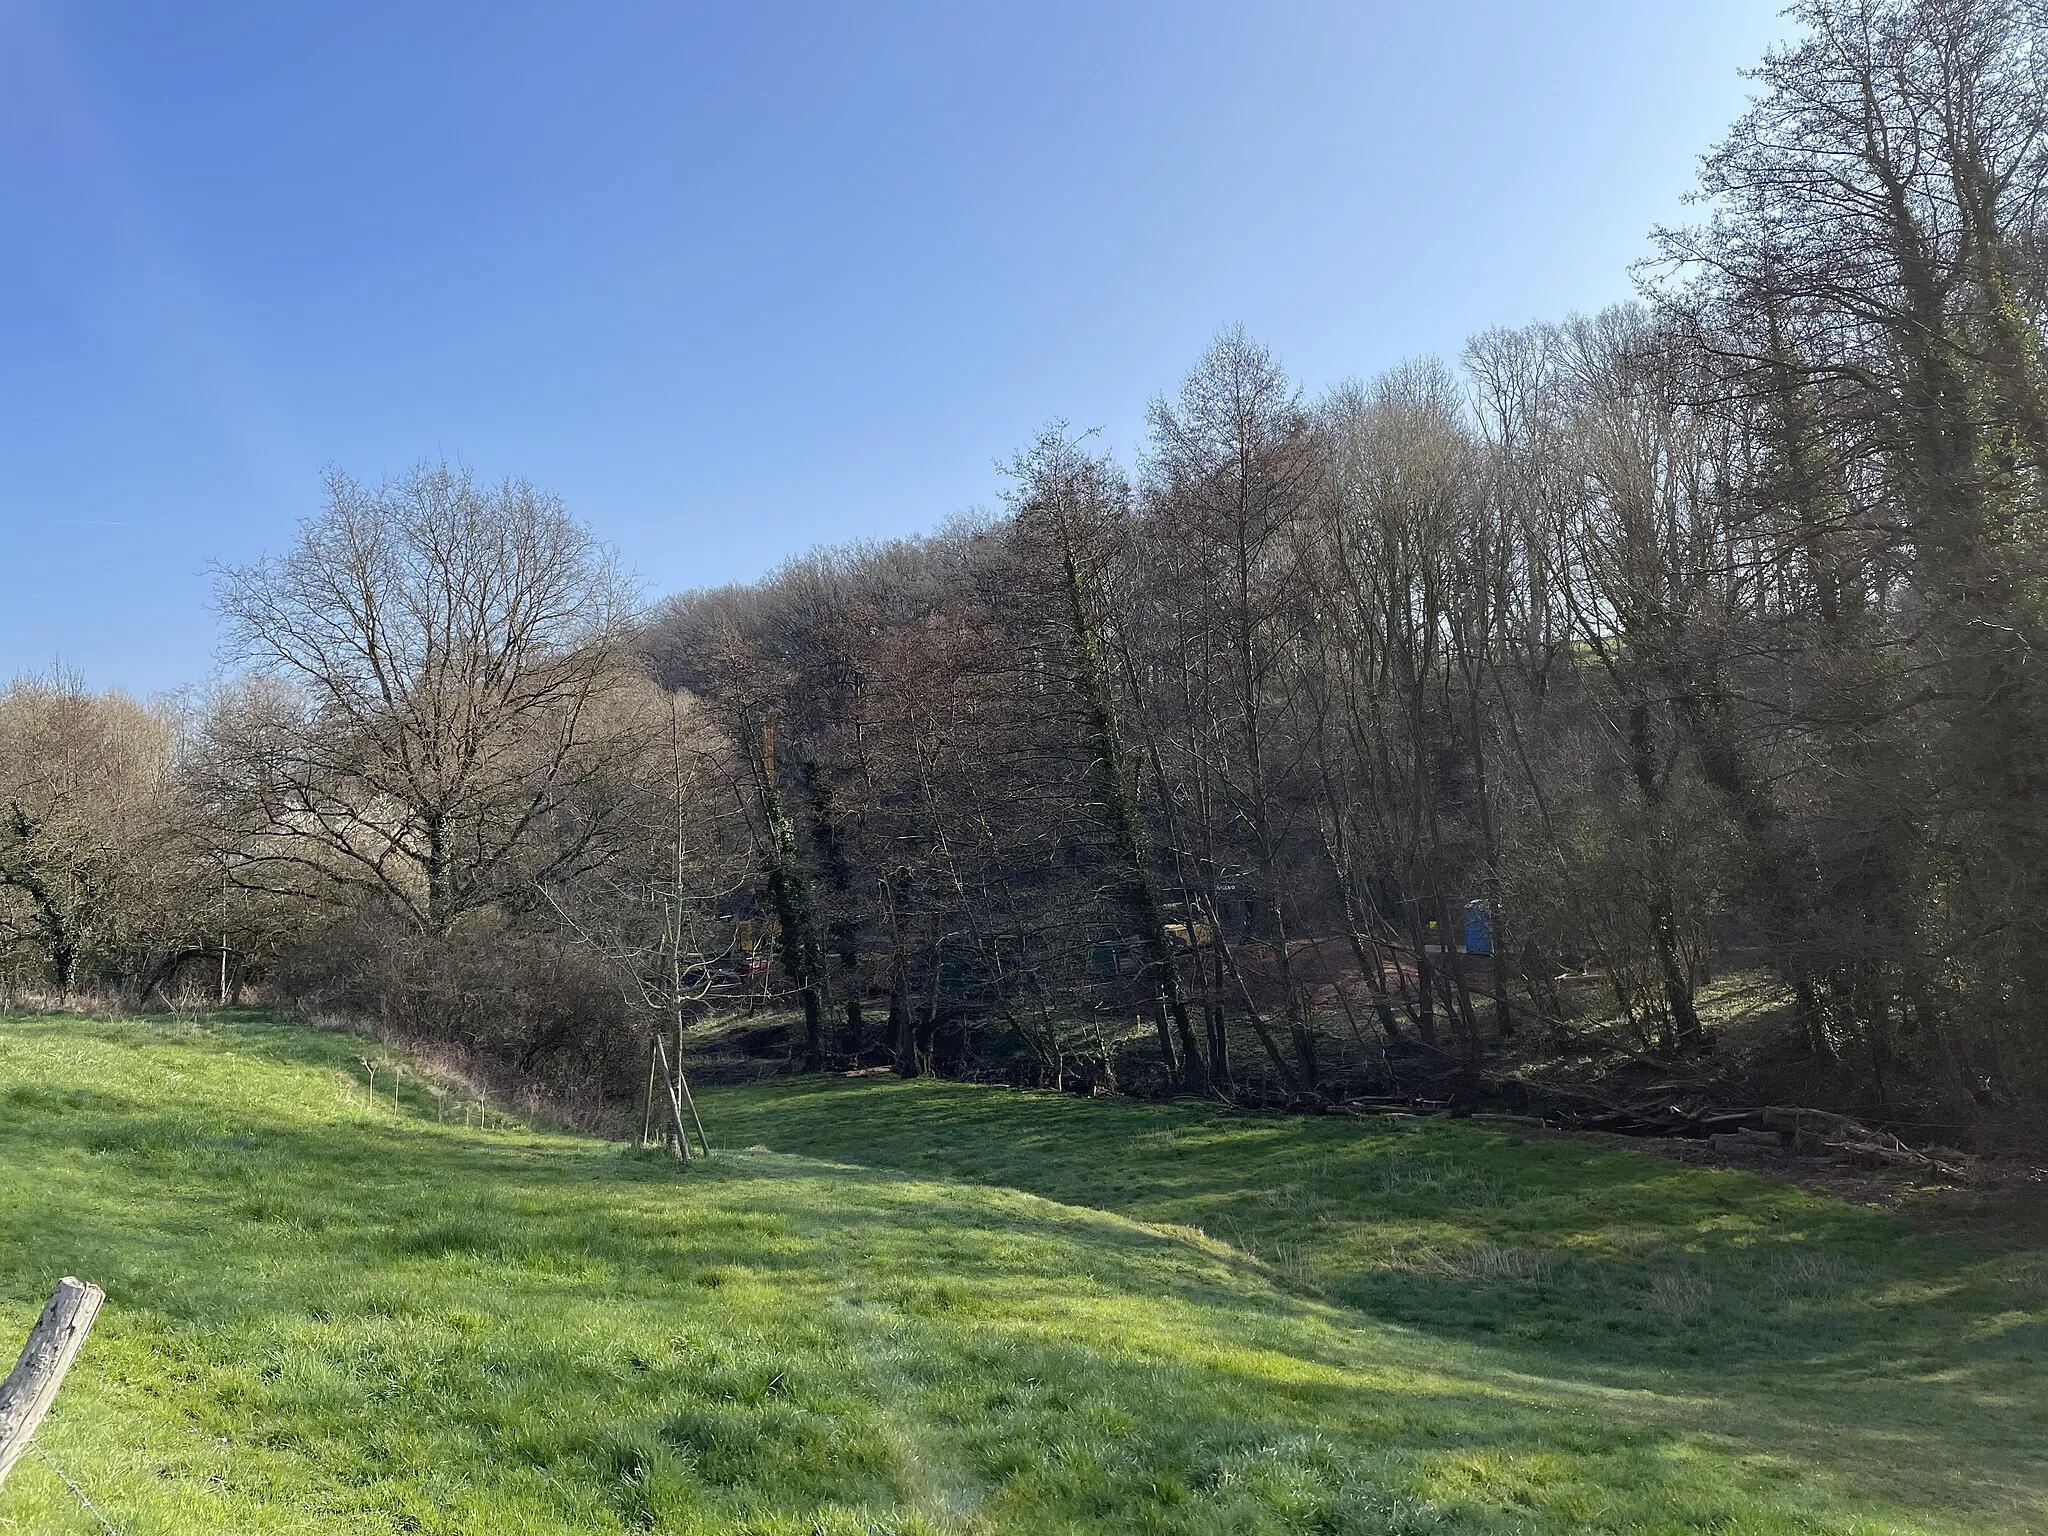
x: 934, y: 1308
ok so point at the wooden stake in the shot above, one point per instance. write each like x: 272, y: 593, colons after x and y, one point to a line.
x: 702, y: 1140
x: 52, y: 1345
x: 675, y: 1105
x: 647, y: 1110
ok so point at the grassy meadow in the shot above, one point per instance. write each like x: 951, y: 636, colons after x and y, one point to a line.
x: 936, y: 1308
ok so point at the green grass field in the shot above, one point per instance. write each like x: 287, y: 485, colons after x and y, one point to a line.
x: 935, y: 1308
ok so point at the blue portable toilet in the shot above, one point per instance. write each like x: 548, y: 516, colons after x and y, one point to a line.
x: 1478, y: 929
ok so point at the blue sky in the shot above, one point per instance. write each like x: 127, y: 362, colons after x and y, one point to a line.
x: 736, y: 280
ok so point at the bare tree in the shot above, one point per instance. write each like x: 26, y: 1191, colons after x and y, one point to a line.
x: 660, y: 913
x: 1067, y: 502
x: 1401, y: 484
x: 1873, y: 267
x: 1231, y: 470
x: 91, y: 864
x: 452, y: 656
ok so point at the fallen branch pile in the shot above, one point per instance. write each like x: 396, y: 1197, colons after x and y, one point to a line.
x: 1776, y: 1129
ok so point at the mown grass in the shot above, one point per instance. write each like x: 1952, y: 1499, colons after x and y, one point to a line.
x: 948, y: 1309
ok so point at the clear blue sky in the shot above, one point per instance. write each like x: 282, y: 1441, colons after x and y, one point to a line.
x: 739, y: 279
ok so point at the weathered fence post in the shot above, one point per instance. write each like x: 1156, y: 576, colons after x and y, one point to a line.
x: 52, y: 1345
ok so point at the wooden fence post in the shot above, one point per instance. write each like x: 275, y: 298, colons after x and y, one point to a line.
x: 52, y: 1345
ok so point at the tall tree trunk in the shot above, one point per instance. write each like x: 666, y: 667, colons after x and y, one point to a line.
x: 1213, y: 1011
x: 1119, y: 804
x: 1678, y: 991
x: 829, y: 835
x: 789, y: 890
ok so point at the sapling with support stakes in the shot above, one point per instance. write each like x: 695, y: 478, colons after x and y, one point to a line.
x: 656, y: 919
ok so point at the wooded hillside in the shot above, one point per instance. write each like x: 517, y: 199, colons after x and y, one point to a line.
x: 1514, y: 709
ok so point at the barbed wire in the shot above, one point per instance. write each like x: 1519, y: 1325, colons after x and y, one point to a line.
x: 77, y: 1492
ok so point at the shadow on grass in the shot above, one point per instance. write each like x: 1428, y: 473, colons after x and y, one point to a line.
x: 291, y: 1266
x: 1784, y: 1322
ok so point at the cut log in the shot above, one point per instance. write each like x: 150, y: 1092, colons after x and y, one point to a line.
x: 52, y: 1345
x: 1746, y: 1141
x: 1733, y: 1120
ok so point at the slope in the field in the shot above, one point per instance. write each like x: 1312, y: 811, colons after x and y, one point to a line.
x: 329, y: 1315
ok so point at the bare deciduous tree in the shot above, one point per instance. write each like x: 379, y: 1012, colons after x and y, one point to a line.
x: 90, y: 863
x: 452, y: 656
